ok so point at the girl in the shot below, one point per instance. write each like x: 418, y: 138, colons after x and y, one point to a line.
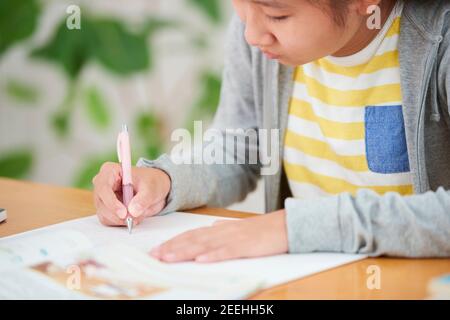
x: 364, y: 135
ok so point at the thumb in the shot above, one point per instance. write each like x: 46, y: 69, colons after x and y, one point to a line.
x: 221, y: 222
x: 140, y: 202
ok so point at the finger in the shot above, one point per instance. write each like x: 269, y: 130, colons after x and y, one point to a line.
x: 106, y: 184
x: 105, y: 220
x: 189, y: 253
x: 138, y: 220
x: 221, y: 222
x: 109, y: 223
x: 155, y: 209
x: 181, y: 240
x: 110, y: 201
x: 143, y: 200
x: 110, y: 174
x: 106, y: 216
x: 221, y: 254
x: 191, y: 242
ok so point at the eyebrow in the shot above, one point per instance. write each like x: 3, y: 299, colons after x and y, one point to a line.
x: 270, y: 3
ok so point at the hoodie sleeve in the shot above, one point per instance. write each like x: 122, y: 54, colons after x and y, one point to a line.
x: 195, y: 185
x: 444, y: 69
x: 368, y: 223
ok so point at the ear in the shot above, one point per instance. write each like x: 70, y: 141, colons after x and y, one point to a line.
x: 363, y: 7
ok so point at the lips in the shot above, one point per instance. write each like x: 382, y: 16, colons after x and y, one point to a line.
x: 270, y: 55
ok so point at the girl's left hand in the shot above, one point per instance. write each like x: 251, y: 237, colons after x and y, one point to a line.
x: 252, y: 237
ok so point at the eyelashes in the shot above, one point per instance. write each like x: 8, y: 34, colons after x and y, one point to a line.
x: 277, y: 19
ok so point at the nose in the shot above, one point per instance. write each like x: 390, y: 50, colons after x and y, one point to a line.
x: 256, y: 34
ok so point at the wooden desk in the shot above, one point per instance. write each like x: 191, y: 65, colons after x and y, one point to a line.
x: 32, y: 205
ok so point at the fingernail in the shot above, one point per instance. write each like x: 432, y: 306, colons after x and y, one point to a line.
x: 122, y: 213
x: 170, y: 257
x: 155, y: 251
x: 202, y: 258
x: 135, y: 209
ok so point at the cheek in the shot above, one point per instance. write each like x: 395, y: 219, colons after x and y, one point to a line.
x: 309, y: 42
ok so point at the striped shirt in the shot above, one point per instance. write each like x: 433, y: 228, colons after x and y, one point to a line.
x: 345, y: 125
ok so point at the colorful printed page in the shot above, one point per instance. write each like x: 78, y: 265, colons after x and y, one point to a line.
x: 119, y: 272
x: 272, y: 271
x: 29, y: 248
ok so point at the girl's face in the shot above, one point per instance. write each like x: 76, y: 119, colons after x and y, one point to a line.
x: 296, y: 32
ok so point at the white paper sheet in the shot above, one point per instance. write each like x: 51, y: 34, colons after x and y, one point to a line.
x: 274, y: 270
x: 24, y: 250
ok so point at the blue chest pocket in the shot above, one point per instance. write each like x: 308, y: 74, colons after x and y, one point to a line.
x: 386, y: 149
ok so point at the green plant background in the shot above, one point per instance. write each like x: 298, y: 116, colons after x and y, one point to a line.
x: 59, y: 111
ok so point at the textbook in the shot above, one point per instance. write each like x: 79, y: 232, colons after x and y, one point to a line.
x: 64, y: 264
x: 82, y: 259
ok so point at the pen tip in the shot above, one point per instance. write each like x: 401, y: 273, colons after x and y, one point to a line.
x: 129, y: 224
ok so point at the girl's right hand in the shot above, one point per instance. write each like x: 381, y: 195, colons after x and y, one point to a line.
x: 151, y: 187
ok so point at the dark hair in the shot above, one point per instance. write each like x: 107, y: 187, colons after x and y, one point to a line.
x: 336, y: 8
x: 339, y: 10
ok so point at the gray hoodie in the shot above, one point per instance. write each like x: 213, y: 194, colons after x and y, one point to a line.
x: 255, y: 94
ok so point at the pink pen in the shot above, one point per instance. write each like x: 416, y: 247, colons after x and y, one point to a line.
x: 124, y: 155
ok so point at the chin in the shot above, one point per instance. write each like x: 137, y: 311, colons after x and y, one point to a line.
x: 287, y: 62
x: 292, y: 62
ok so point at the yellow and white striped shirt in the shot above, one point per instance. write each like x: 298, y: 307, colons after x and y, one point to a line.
x: 345, y: 126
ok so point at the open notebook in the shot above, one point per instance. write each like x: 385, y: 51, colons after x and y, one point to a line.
x: 81, y: 259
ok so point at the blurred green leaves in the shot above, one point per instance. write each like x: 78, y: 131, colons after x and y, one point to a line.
x: 104, y: 40
x: 18, y: 20
x: 90, y: 167
x: 154, y: 24
x: 67, y: 48
x: 211, y: 8
x: 117, y: 49
x: 110, y: 43
x: 146, y: 142
x: 208, y: 100
x: 16, y: 164
x: 21, y: 91
x: 147, y: 127
x: 97, y: 108
x: 60, y: 122
x: 210, y: 93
